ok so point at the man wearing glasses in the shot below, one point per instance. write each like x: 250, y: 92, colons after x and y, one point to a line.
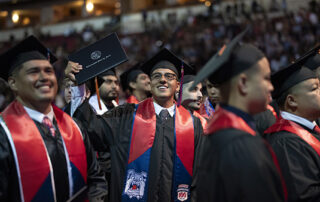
x: 153, y: 143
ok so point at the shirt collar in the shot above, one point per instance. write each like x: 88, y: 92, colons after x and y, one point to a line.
x: 93, y: 101
x: 38, y: 116
x: 297, y: 119
x: 158, y: 109
x: 245, y: 116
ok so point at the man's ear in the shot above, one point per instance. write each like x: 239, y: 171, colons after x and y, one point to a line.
x: 12, y: 83
x: 133, y: 85
x: 178, y: 86
x: 242, y: 84
x: 291, y: 101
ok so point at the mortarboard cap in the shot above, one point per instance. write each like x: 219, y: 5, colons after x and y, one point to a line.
x: 28, y: 49
x: 99, y: 57
x: 130, y: 76
x: 313, y: 62
x: 91, y: 84
x: 293, y: 74
x: 229, y: 61
x: 188, y: 78
x: 167, y: 60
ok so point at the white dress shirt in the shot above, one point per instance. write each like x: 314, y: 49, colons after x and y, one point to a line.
x: 298, y: 119
x: 158, y: 109
x: 38, y: 116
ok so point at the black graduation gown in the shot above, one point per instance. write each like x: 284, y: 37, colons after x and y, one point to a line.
x: 113, y: 130
x: 264, y: 120
x: 9, y: 185
x: 234, y: 166
x: 83, y: 114
x: 300, y: 165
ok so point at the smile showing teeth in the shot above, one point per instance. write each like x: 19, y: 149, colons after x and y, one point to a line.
x: 162, y: 87
x: 45, y: 87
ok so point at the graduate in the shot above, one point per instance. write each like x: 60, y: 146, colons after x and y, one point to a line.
x: 295, y: 136
x: 191, y: 99
x: 234, y: 164
x: 210, y: 103
x: 109, y: 93
x: 45, y: 155
x: 153, y: 143
x: 137, y: 83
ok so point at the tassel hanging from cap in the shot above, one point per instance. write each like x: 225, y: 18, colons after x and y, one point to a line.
x: 97, y: 91
x: 181, y: 85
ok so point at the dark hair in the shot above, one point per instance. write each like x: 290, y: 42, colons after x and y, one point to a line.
x: 282, y: 98
x: 7, y: 94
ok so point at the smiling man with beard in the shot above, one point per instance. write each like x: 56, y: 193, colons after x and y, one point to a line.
x: 154, y: 138
x: 44, y: 156
x: 109, y: 92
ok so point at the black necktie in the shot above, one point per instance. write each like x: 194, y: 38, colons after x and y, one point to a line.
x: 164, y: 114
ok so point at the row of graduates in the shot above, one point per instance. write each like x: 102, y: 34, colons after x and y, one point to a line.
x: 159, y: 151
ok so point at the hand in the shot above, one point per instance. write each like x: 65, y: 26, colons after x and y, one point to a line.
x: 71, y: 69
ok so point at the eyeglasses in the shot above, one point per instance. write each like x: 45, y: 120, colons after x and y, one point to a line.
x: 168, y: 76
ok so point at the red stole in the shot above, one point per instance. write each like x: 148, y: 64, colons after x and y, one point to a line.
x: 132, y: 99
x: 292, y: 127
x: 144, y: 127
x: 203, y: 121
x: 31, y: 152
x: 224, y: 119
x: 269, y: 107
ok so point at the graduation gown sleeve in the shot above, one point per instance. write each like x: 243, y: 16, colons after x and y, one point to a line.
x: 300, y: 165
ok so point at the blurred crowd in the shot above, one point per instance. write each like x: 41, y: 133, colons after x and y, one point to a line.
x: 282, y: 35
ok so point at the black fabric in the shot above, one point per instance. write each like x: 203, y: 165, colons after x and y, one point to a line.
x: 113, y: 131
x: 234, y: 166
x: 313, y: 62
x: 243, y: 57
x: 9, y: 187
x: 300, y: 165
x: 188, y: 78
x: 83, y: 114
x: 229, y: 61
x: 167, y: 60
x: 264, y: 120
x: 28, y: 49
x: 289, y: 77
x: 164, y: 114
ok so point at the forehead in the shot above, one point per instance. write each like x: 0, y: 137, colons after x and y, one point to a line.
x: 263, y: 65
x: 308, y: 83
x: 142, y: 75
x: 163, y: 71
x: 110, y: 77
x: 36, y: 63
x: 188, y: 85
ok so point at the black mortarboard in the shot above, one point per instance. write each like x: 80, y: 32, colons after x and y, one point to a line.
x: 99, y: 57
x: 229, y: 61
x: 166, y: 59
x: 28, y: 49
x: 188, y: 78
x: 91, y: 84
x: 293, y: 74
x: 130, y: 75
x: 313, y: 62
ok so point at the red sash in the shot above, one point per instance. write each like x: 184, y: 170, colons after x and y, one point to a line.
x: 31, y: 152
x: 269, y: 107
x: 203, y: 121
x: 292, y: 127
x: 144, y: 128
x: 224, y: 119
x: 132, y: 99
